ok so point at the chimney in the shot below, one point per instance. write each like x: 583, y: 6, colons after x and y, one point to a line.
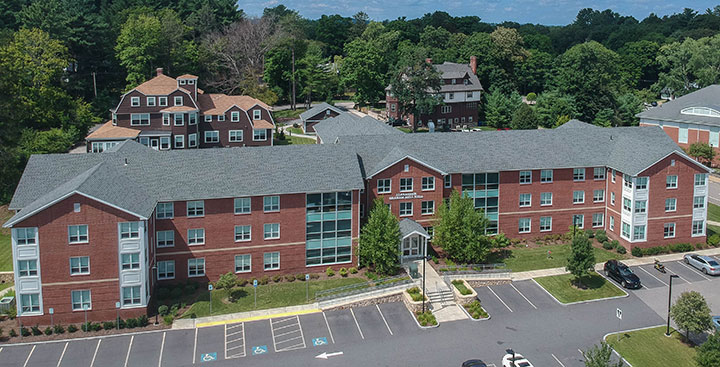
x: 428, y: 60
x: 473, y: 64
x: 159, y: 71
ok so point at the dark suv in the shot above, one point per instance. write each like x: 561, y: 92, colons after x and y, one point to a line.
x: 622, y: 274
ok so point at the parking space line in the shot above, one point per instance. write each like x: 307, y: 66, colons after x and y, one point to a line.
x: 557, y: 360
x: 679, y: 276
x: 62, y: 354
x: 356, y: 324
x: 326, y: 323
x: 695, y: 270
x: 383, y: 317
x: 195, y: 346
x: 279, y: 321
x: 283, y: 327
x: 498, y: 297
x: 287, y: 333
x: 241, y: 339
x: 523, y: 296
x: 235, y: 333
x: 225, y: 333
x: 272, y: 331
x: 29, y: 355
x: 656, y: 278
x: 92, y: 363
x: 162, y: 347
x: 127, y: 356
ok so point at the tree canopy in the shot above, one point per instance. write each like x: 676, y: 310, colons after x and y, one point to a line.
x: 379, y: 245
x: 691, y: 313
x: 460, y: 230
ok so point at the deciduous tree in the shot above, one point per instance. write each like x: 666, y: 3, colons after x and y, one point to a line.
x: 708, y: 354
x: 691, y: 313
x: 600, y: 356
x: 500, y: 108
x: 417, y: 89
x: 379, y: 244
x: 460, y: 230
x: 524, y: 118
x: 582, y: 257
x: 138, y: 47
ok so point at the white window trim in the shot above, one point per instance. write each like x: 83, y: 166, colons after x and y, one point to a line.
x: 167, y: 277
x: 583, y: 175
x: 520, y: 203
x: 235, y: 116
x: 674, y: 227
x: 602, y: 223
x: 87, y: 230
x: 278, y: 262
x: 79, y: 273
x: 264, y: 138
x: 540, y: 225
x: 271, y: 238
x: 81, y: 309
x: 579, y: 202
x: 242, y: 213
x: 175, y: 100
x: 674, y: 209
x: 235, y: 264
x: 196, y: 243
x: 241, y: 240
x: 551, y: 199
x: 150, y: 104
x: 529, y: 227
x: 187, y: 209
x: 232, y: 140
x: 551, y: 176
x: 432, y: 179
x: 212, y: 134
x: 134, y: 101
x: 389, y: 186
x: 257, y: 115
x: 448, y: 183
x: 271, y: 210
x: 162, y: 101
x: 195, y: 260
x: 412, y: 184
x: 157, y: 239
x: 675, y: 183
x: 400, y: 209
x: 520, y: 178
x: 179, y: 141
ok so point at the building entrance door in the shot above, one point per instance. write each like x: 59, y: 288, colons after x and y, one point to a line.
x: 411, y: 248
x: 154, y: 143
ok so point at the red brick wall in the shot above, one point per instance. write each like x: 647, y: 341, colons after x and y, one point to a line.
x: 562, y: 208
x: 55, y: 253
x: 459, y: 110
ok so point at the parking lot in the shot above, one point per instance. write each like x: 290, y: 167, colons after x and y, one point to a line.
x: 225, y: 342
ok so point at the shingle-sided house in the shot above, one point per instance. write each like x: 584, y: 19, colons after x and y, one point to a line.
x: 694, y: 117
x: 316, y: 114
x: 166, y: 113
x: 461, y: 91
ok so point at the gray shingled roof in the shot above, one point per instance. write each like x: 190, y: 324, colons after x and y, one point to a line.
x: 317, y: 109
x: 151, y: 176
x: 348, y: 124
x: 451, y: 70
x: 408, y: 226
x: 628, y: 149
x: 670, y: 111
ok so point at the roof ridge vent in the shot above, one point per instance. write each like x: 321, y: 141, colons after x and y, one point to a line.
x: 126, y: 161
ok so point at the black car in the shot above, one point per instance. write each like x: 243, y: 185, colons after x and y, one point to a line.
x: 474, y: 363
x: 621, y: 273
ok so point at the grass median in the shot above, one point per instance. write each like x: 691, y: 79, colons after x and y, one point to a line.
x: 594, y: 287
x: 268, y: 296
x: 534, y: 258
x: 650, y: 347
x: 6, y: 263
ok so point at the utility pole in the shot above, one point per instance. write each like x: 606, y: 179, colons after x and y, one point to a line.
x: 94, y: 84
x: 292, y: 50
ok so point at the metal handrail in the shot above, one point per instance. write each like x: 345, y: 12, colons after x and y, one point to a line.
x: 354, y: 289
x: 473, y: 268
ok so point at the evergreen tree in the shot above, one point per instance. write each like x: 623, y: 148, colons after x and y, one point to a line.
x: 460, y: 230
x: 379, y: 240
x: 524, y: 118
x: 582, y: 257
x: 499, y: 108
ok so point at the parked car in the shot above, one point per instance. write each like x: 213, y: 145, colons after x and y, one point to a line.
x: 474, y: 363
x: 622, y: 274
x: 716, y: 322
x: 515, y: 360
x: 706, y: 264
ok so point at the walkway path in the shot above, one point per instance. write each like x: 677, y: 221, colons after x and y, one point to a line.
x: 434, y: 283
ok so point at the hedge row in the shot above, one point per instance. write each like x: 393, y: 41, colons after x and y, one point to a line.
x: 132, y: 323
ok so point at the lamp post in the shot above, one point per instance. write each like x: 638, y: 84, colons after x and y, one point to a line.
x: 425, y: 259
x: 667, y: 331
x: 155, y: 278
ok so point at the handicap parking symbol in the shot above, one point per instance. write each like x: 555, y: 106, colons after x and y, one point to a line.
x: 319, y: 342
x: 262, y: 349
x: 208, y: 357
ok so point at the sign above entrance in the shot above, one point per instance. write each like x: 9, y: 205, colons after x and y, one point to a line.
x: 405, y: 196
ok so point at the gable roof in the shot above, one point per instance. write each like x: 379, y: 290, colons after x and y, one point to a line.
x: 670, y: 111
x: 160, y: 84
x: 318, y: 109
x: 627, y: 149
x: 451, y: 70
x: 217, y: 104
x: 110, y: 132
x: 349, y: 124
x: 133, y: 177
x: 409, y: 226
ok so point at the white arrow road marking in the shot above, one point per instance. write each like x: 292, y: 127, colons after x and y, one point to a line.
x: 325, y: 355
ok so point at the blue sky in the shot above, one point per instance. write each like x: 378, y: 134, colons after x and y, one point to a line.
x: 550, y: 12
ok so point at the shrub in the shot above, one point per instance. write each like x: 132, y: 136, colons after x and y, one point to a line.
x: 449, y: 262
x: 189, y: 289
x: 343, y: 272
x: 163, y: 310
x: 621, y: 250
x: 11, y: 312
x: 589, y: 233
x: 353, y: 270
x: 24, y: 331
x: 699, y: 246
x: 300, y: 277
x: 163, y: 293
x: 277, y: 278
x: 168, y: 319
x: 96, y: 327
x: 601, y: 235
x: 131, y: 323
x: 48, y: 331
x: 176, y: 292
x: 236, y: 294
x: 264, y: 280
x: 329, y: 272
x: 636, y: 251
x: 86, y: 326
x: 608, y: 245
x: 460, y: 285
x: 72, y: 328
x: 290, y: 278
x: 108, y: 325
x: 314, y: 276
x: 143, y: 321
x: 13, y: 333
x: 59, y: 329
x: 415, y: 294
x: 36, y: 330
x: 370, y: 275
x: 174, y: 310
x: 226, y: 281
x: 194, y: 285
x: 426, y: 319
x: 713, y: 240
x: 435, y: 259
x: 681, y: 247
x: 121, y: 324
x: 651, y: 251
x: 476, y: 311
x: 242, y: 282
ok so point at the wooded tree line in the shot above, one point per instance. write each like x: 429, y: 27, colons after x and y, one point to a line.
x: 66, y: 62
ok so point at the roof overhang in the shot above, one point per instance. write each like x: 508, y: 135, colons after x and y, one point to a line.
x: 407, y: 156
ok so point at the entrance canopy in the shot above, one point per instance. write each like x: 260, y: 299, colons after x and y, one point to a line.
x: 413, y: 240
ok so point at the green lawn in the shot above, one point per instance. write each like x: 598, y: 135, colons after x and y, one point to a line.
x: 290, y: 114
x: 534, y: 258
x: 5, y: 285
x: 561, y: 287
x: 711, y: 230
x: 487, y: 128
x: 713, y: 212
x: 409, y: 130
x: 5, y: 247
x: 650, y: 348
x: 295, y: 130
x: 293, y: 140
x: 268, y: 296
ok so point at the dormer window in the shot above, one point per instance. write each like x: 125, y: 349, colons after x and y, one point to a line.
x: 162, y: 101
x: 135, y: 101
x: 182, y: 81
x: 191, y: 82
x: 150, y: 101
x: 234, y: 116
x: 466, y: 82
x: 178, y: 101
x: 257, y: 114
x: 453, y: 81
x: 700, y: 111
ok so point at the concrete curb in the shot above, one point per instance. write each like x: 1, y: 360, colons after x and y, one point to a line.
x: 418, y: 322
x: 85, y: 338
x: 581, y: 302
x: 246, y: 316
x: 625, y: 331
x: 474, y: 319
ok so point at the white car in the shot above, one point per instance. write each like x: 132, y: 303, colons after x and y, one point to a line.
x: 518, y: 361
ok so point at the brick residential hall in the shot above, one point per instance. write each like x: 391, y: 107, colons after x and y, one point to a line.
x: 173, y: 113
x: 91, y: 230
x: 460, y: 89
